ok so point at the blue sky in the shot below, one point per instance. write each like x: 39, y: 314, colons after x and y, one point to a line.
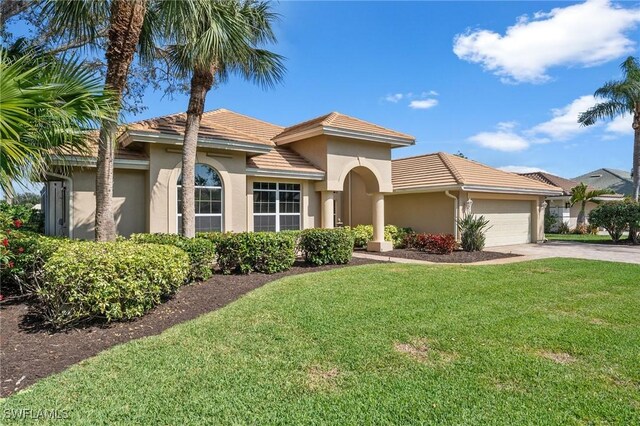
x: 508, y: 96
x: 502, y: 82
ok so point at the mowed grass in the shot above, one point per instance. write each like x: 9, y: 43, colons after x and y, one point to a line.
x: 579, y: 238
x: 541, y: 342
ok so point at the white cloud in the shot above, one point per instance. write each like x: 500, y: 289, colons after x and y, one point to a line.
x: 504, y: 139
x: 423, y: 104
x: 564, y: 124
x: 620, y: 125
x: 394, y: 98
x: 585, y: 34
x: 521, y: 169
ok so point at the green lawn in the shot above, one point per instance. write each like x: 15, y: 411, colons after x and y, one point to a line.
x: 542, y: 342
x: 587, y: 238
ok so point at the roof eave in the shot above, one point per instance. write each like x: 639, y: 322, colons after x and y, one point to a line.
x: 508, y: 190
x: 79, y: 161
x: 225, y: 144
x: 289, y: 174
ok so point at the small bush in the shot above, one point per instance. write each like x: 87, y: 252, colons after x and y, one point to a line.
x: 563, y: 228
x: 201, y: 251
x: 616, y: 217
x: 265, y: 252
x: 22, y: 257
x: 326, y: 246
x: 120, y: 280
x: 580, y: 229
x: 472, y: 232
x: 592, y: 229
x: 550, y: 222
x: 397, y: 235
x: 435, y: 243
x: 362, y: 234
x: 214, y: 237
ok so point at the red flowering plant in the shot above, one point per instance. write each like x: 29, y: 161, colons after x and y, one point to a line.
x: 11, y: 246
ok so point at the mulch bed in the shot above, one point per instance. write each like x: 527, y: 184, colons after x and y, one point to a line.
x: 30, y: 352
x: 457, y: 256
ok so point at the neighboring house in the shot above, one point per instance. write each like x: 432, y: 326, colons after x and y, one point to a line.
x: 560, y: 205
x: 617, y: 181
x: 257, y: 176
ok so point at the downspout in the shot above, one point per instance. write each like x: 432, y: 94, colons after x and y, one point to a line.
x: 70, y: 195
x: 455, y: 214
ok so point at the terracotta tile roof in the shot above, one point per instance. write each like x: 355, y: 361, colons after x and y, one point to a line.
x: 216, y: 124
x: 281, y: 158
x: 446, y: 170
x: 129, y: 153
x: 565, y: 184
x: 340, y: 121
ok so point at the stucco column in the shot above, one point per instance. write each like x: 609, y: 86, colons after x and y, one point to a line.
x: 327, y: 209
x: 377, y: 213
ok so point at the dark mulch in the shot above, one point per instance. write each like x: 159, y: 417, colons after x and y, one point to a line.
x: 458, y: 256
x: 29, y: 351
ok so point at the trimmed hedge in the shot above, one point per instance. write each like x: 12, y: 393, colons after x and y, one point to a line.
x: 326, y: 246
x: 201, y: 251
x: 362, y: 234
x: 266, y: 252
x: 120, y: 280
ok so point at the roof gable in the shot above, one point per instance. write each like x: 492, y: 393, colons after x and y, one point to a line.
x: 335, y: 122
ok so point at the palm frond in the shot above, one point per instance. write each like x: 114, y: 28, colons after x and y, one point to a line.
x: 603, y: 110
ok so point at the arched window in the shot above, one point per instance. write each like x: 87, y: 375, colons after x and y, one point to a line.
x: 208, y: 198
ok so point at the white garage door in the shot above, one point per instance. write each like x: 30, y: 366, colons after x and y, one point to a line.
x: 510, y: 221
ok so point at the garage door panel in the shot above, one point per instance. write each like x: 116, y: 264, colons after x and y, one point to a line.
x: 510, y: 221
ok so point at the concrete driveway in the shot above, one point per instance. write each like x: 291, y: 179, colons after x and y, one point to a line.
x: 614, y: 253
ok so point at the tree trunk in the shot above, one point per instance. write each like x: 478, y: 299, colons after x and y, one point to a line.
x: 636, y: 154
x: 201, y: 83
x: 125, y: 25
x: 581, y: 215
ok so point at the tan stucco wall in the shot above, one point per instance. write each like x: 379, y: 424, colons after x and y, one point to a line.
x: 424, y: 212
x: 129, y: 200
x: 164, y: 171
x: 356, y: 202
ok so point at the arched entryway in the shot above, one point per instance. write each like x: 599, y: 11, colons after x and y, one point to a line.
x: 360, y: 202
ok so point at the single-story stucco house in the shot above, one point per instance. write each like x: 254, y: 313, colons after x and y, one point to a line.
x: 618, y: 181
x: 560, y: 205
x: 256, y: 176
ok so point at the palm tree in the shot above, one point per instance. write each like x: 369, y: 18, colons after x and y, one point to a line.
x: 621, y: 97
x: 220, y: 40
x: 47, y: 108
x: 124, y: 20
x: 582, y: 194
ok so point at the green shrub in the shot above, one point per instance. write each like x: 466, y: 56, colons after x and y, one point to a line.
x: 22, y: 257
x: 362, y: 234
x: 550, y: 221
x: 397, y: 235
x: 120, y: 280
x: 30, y: 219
x: 265, y: 252
x: 214, y: 237
x: 201, y: 251
x: 472, y: 232
x: 326, y: 246
x: 616, y: 217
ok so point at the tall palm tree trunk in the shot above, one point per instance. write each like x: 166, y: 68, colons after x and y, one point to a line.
x: 127, y: 17
x: 636, y: 154
x: 201, y: 83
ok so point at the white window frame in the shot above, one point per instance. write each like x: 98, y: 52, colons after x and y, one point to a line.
x: 221, y: 214
x: 277, y: 213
